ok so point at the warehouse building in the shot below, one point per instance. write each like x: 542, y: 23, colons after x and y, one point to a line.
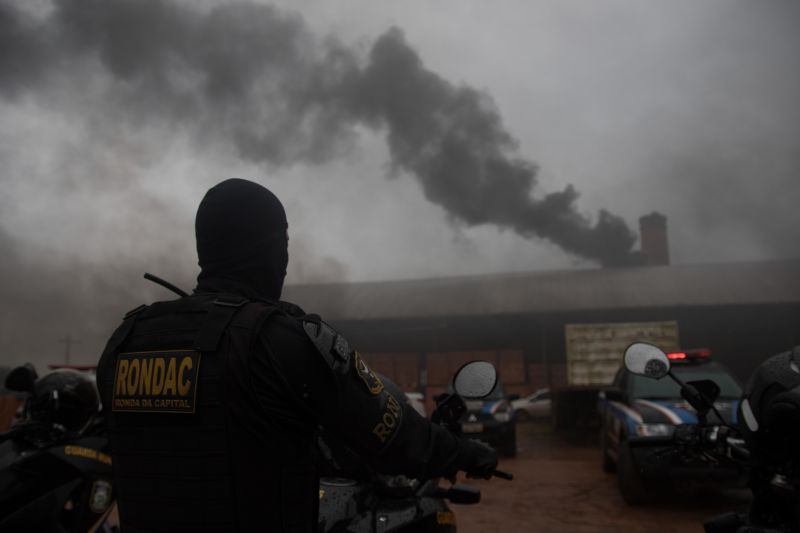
x: 419, y: 332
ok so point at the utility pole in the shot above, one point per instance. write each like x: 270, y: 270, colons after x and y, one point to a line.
x: 68, y: 342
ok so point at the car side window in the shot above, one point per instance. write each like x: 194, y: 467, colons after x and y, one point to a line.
x: 544, y: 396
x: 617, y: 383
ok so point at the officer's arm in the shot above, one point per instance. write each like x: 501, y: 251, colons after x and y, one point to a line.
x: 383, y: 428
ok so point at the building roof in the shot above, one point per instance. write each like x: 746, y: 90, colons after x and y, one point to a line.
x: 775, y: 282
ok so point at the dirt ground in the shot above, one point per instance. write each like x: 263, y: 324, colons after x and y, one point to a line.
x: 560, y: 487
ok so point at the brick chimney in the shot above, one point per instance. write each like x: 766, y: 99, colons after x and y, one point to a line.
x: 653, y: 231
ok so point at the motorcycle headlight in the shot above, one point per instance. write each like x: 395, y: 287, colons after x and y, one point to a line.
x: 654, y: 430
x: 504, y: 416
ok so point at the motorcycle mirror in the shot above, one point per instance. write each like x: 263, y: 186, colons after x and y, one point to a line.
x: 648, y: 360
x: 21, y: 379
x: 475, y: 380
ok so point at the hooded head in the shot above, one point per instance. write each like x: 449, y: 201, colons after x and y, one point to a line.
x: 242, y: 240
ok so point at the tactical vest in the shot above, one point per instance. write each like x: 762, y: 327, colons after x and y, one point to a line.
x: 193, y: 449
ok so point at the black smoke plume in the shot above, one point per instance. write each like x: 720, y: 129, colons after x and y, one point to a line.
x: 256, y: 76
x: 453, y: 140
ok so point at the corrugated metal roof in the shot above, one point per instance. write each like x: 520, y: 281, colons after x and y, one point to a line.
x: 555, y: 291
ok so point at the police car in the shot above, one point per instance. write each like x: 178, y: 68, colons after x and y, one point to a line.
x: 491, y: 419
x: 646, y: 408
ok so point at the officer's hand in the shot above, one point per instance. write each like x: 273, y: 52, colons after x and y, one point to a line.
x: 482, y: 460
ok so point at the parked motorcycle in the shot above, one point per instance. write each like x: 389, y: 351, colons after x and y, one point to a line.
x: 766, y: 440
x: 364, y: 501
x: 55, y: 475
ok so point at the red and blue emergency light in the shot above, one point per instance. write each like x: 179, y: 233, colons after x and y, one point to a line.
x: 690, y: 355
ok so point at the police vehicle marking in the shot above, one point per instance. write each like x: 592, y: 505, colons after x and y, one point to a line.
x: 683, y: 411
x: 489, y: 408
x: 655, y: 412
x: 668, y: 413
x: 156, y: 382
x: 627, y: 411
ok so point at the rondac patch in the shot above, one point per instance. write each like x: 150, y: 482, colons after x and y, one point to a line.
x: 156, y: 382
x: 373, y: 382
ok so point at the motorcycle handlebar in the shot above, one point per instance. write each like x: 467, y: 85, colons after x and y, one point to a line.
x: 503, y: 475
x: 8, y: 435
x: 710, y: 438
x: 634, y: 441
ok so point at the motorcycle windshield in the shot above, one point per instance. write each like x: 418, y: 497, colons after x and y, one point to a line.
x: 667, y: 389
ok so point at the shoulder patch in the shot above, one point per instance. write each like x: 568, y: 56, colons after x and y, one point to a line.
x: 330, y: 344
x: 100, y: 499
x: 322, y: 337
x: 371, y: 380
x: 342, y: 348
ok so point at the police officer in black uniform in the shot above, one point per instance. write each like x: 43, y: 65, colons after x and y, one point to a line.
x: 213, y: 400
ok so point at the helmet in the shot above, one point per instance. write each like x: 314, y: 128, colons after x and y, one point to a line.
x: 64, y: 397
x: 769, y: 413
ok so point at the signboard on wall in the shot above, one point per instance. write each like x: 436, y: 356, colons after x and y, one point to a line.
x: 594, y: 351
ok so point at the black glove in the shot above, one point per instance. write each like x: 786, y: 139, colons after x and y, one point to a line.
x: 480, y: 459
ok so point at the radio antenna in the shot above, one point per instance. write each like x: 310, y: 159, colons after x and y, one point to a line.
x: 166, y: 284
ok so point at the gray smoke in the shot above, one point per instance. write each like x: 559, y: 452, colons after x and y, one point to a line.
x: 452, y: 138
x: 257, y: 77
x: 48, y: 297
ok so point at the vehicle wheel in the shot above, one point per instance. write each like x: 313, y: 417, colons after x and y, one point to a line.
x: 631, y: 484
x: 609, y: 465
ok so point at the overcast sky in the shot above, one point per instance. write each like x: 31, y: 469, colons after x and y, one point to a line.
x: 116, y: 120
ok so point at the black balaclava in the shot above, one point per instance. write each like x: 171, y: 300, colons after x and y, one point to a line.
x: 242, y: 241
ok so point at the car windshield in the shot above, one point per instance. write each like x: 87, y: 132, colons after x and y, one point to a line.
x: 497, y: 393
x: 642, y: 387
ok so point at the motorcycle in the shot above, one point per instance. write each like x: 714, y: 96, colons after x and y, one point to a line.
x: 359, y: 500
x: 768, y: 454
x: 55, y: 475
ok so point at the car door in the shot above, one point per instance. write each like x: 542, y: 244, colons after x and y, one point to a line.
x: 540, y: 405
